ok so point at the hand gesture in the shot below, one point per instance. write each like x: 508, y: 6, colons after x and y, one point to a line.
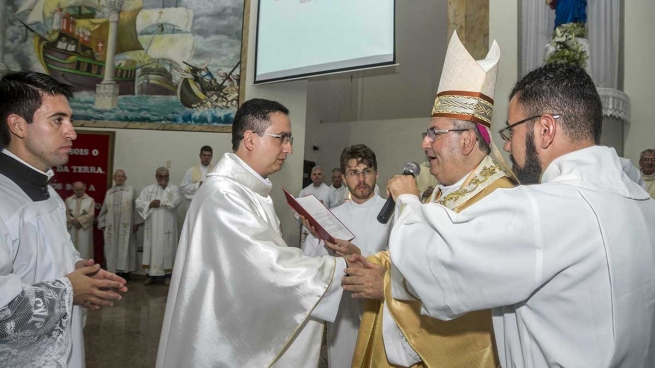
x: 94, y: 287
x: 155, y: 203
x: 309, y: 227
x: 343, y: 248
x: 402, y: 184
x: 365, y: 279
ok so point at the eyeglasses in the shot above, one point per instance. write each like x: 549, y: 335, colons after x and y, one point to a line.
x: 161, y: 176
x: 368, y: 172
x: 282, y: 137
x: 432, y: 133
x: 648, y: 159
x: 506, y: 132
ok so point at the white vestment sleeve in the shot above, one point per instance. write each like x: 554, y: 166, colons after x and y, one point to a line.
x: 457, y: 262
x: 102, y: 222
x: 143, y: 204
x: 328, y: 306
x: 314, y: 246
x: 398, y: 350
x: 29, y: 314
x: 187, y: 188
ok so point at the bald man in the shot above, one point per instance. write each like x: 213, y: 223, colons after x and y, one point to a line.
x: 80, y: 210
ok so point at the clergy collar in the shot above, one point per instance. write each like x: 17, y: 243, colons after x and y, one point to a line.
x: 447, y: 189
x: 645, y: 177
x: 29, y: 179
x: 244, y: 174
x: 369, y: 202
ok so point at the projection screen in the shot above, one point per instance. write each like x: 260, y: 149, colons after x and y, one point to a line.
x: 301, y: 38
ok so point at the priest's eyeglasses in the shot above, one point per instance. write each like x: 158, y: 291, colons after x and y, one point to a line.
x: 282, y: 137
x: 506, y: 132
x: 433, y: 133
x: 368, y: 172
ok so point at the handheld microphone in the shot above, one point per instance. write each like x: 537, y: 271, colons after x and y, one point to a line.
x: 411, y: 168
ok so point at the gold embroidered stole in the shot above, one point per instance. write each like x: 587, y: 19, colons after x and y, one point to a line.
x: 466, y: 342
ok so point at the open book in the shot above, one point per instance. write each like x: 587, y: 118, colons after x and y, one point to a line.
x: 320, y: 217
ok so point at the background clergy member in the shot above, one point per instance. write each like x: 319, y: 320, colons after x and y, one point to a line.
x: 647, y: 166
x: 569, y: 286
x: 393, y: 332
x: 157, y: 204
x: 80, y: 212
x: 195, y: 175
x: 359, y: 164
x: 119, y: 222
x: 43, y: 281
x: 240, y: 297
x: 338, y: 191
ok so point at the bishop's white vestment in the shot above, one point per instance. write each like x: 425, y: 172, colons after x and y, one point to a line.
x: 240, y: 297
x: 371, y: 237
x: 116, y: 219
x: 83, y: 209
x: 160, y: 233
x: 568, y: 266
x: 39, y: 325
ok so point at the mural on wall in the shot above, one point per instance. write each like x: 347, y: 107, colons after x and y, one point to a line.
x: 159, y: 63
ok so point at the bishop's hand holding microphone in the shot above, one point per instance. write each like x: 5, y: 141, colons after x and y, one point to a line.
x: 411, y: 168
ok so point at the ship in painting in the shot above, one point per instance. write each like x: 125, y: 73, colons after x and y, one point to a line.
x: 70, y: 41
x: 165, y: 35
x: 199, y: 89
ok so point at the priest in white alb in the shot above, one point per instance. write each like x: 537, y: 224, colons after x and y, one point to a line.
x: 360, y: 166
x: 157, y: 205
x: 240, y: 297
x: 566, y: 261
x: 80, y: 212
x: 196, y: 175
x: 119, y: 221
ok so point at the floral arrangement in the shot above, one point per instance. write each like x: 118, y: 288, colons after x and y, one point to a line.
x: 565, y: 47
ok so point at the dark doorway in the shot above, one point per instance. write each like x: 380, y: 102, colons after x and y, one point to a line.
x: 307, y: 167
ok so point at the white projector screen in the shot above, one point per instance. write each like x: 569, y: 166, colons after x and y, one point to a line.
x: 300, y: 38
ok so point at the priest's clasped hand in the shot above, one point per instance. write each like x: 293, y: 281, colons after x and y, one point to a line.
x: 94, y: 287
x: 402, y: 184
x: 365, y: 280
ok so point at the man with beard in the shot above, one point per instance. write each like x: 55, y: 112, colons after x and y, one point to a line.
x: 359, y: 164
x: 568, y: 285
x: 393, y: 332
x: 647, y: 166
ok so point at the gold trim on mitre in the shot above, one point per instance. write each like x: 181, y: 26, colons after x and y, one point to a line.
x: 466, y: 88
x: 464, y: 105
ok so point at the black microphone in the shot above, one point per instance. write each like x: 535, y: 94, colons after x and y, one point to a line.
x: 411, y: 168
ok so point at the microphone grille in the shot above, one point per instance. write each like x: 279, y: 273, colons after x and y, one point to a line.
x: 412, y: 168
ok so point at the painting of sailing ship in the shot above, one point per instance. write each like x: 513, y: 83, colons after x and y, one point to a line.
x: 174, y: 62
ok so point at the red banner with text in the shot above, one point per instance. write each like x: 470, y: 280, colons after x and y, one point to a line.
x: 91, y: 162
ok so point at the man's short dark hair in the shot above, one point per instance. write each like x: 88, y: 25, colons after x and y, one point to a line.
x: 254, y: 115
x: 206, y: 149
x: 649, y: 151
x: 566, y: 90
x: 336, y: 169
x: 361, y: 153
x: 21, y: 93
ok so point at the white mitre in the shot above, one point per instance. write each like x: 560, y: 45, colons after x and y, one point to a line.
x: 467, y: 87
x: 466, y: 91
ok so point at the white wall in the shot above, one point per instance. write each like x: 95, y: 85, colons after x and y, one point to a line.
x: 397, y: 141
x: 405, y: 91
x: 639, y: 77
